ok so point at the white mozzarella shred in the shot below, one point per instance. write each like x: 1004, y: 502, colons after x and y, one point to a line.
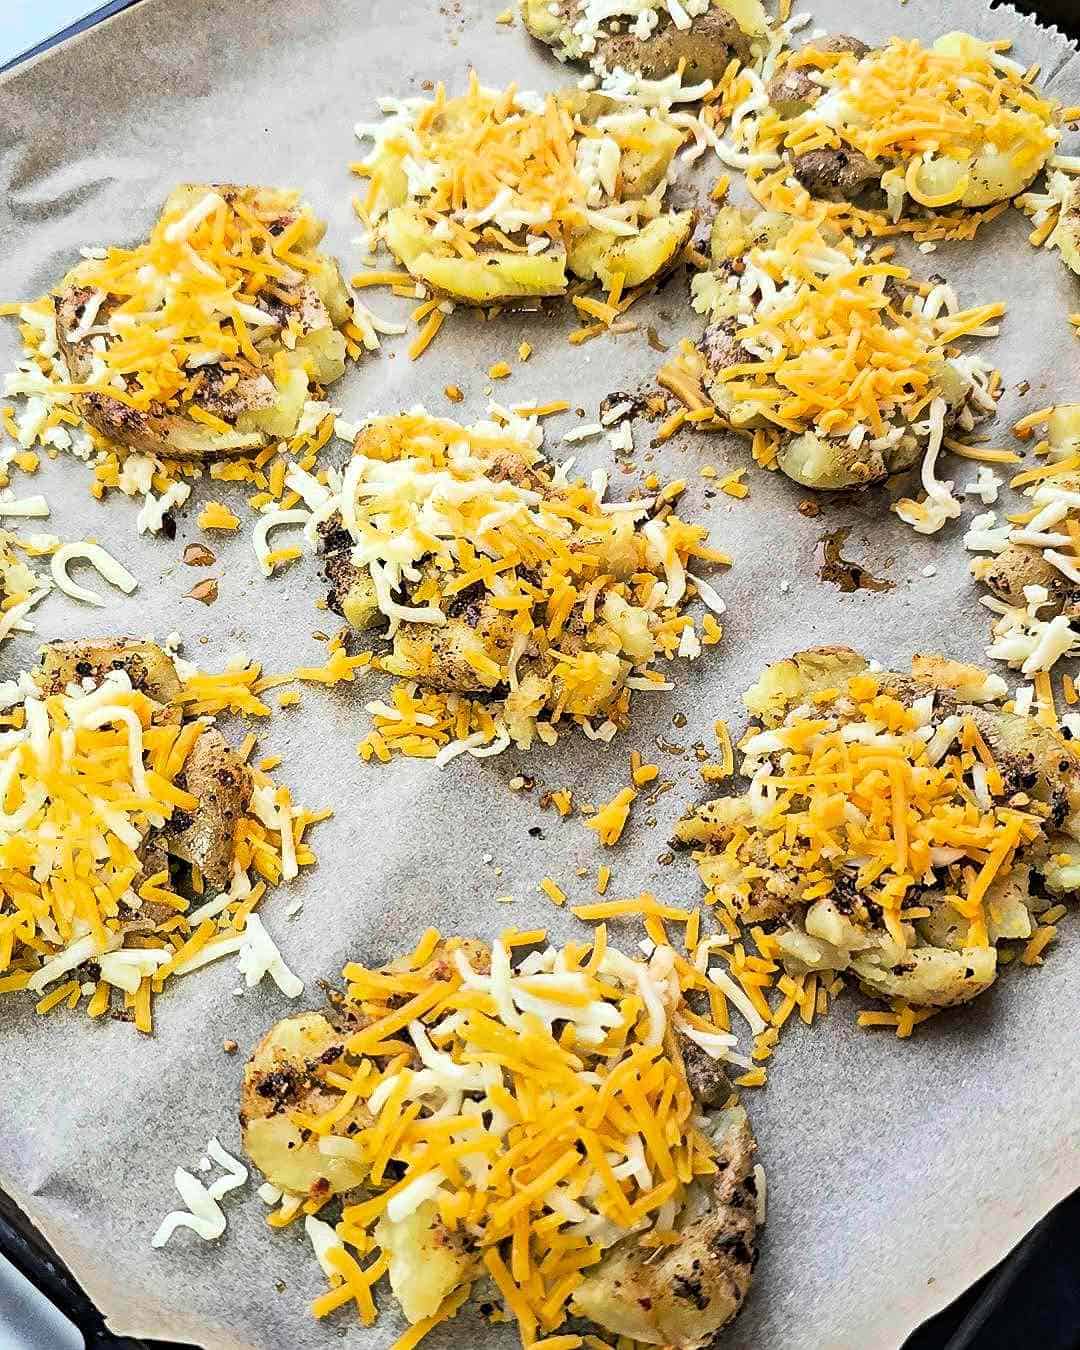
x: 204, y: 1214
x: 115, y: 573
x: 689, y: 643
x: 12, y: 620
x: 985, y: 535
x: 738, y: 997
x: 708, y: 594
x: 126, y: 969
x: 761, y: 1187
x: 407, y: 1201
x: 86, y: 948
x: 985, y: 485
x: 182, y: 228
x: 152, y: 513
x: 323, y: 1240
x: 583, y: 433
x: 258, y: 956
x: 35, y: 507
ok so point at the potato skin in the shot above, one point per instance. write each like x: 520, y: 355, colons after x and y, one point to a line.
x: 792, y: 91
x: 205, y: 837
x: 1020, y: 565
x: 708, y: 46
x: 681, y: 1296
x: 149, y: 668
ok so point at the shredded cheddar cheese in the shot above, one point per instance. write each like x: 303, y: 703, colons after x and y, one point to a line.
x: 610, y: 821
x: 524, y: 1110
x: 501, y: 579
x: 92, y: 782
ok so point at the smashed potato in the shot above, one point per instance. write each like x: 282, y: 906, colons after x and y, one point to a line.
x: 515, y: 598
x: 797, y: 363
x: 644, y: 39
x: 206, y: 341
x: 953, y: 124
x: 496, y: 197
x: 440, y: 1087
x: 897, y: 826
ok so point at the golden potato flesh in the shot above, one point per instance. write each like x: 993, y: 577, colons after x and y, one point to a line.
x: 427, y: 1260
x: 149, y: 668
x: 788, y: 683
x: 282, y: 1076
x: 493, y: 276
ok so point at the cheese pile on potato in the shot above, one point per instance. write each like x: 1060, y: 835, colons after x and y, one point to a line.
x: 922, y: 128
x: 203, y: 343
x: 134, y: 840
x: 897, y: 826
x: 652, y: 38
x: 20, y: 586
x: 503, y: 195
x: 839, y: 362
x: 515, y: 597
x: 523, y: 1127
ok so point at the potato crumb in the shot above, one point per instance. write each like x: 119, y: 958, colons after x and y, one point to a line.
x: 603, y: 876
x: 289, y: 699
x: 499, y: 371
x: 453, y: 393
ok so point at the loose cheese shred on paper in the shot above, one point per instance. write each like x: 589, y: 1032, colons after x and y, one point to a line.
x: 204, y: 1215
x: 525, y: 1090
x: 102, y: 771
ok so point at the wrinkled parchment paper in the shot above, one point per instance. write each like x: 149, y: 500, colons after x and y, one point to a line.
x: 898, y: 1171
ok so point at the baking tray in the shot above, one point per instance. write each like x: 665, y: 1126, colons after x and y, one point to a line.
x: 1031, y: 1298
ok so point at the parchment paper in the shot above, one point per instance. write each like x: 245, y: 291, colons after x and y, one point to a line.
x: 898, y: 1171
